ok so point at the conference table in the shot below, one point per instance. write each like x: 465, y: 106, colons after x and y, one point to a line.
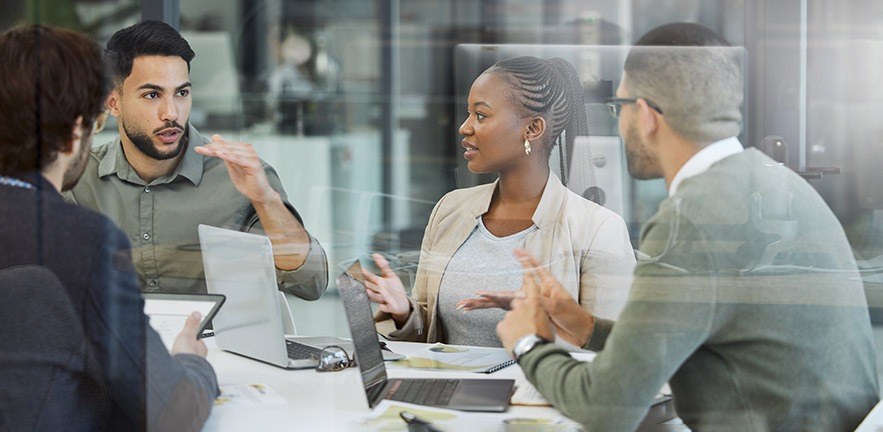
x: 336, y: 401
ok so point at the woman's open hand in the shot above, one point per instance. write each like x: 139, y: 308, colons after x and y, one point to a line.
x: 387, y: 291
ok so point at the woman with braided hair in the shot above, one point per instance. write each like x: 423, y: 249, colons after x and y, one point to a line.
x: 518, y: 110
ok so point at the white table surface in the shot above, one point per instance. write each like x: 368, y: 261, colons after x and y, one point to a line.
x: 330, y: 401
x: 874, y: 420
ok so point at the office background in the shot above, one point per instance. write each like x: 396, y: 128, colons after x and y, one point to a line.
x: 356, y: 103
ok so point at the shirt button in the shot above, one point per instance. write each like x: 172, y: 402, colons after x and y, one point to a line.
x: 152, y: 282
x: 146, y: 236
x: 147, y: 189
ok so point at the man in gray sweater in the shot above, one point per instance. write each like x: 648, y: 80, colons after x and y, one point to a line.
x: 746, y: 300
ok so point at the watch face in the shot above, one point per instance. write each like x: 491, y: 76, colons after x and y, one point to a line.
x: 526, y: 343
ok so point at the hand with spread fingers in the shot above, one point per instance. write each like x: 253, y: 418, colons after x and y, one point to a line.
x: 528, y: 314
x: 387, y: 291
x: 291, y: 243
x: 490, y: 299
x: 572, y: 322
x: 244, y: 166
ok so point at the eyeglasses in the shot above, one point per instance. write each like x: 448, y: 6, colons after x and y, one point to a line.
x: 334, y: 358
x: 100, y: 122
x: 615, y: 105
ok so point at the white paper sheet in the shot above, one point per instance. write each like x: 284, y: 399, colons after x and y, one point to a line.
x: 167, y: 317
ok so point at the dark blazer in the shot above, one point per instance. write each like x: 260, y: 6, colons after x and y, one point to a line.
x: 90, y: 257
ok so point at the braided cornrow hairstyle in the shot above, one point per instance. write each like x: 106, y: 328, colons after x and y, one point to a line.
x: 551, y: 89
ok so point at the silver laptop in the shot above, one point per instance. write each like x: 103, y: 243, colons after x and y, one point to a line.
x: 256, y: 318
x: 463, y: 394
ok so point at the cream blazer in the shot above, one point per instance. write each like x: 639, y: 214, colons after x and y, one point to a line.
x: 585, y: 246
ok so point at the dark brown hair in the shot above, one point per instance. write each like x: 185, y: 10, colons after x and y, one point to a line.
x: 50, y: 76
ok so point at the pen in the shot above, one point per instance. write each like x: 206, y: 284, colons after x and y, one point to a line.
x: 416, y: 424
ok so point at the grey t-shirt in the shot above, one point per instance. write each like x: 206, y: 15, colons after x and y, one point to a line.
x: 484, y: 262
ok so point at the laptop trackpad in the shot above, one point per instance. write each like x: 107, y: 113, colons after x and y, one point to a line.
x: 482, y: 395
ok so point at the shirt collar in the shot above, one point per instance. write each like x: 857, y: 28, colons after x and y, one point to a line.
x: 547, y: 209
x: 550, y: 203
x: 191, y: 165
x: 32, y: 180
x: 704, y: 159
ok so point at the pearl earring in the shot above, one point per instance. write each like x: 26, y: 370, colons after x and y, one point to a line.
x: 527, y: 147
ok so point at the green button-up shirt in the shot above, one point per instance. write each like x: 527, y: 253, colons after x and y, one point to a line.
x: 161, y: 217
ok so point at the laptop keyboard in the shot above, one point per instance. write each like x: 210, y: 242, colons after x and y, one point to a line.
x: 299, y: 351
x: 433, y: 392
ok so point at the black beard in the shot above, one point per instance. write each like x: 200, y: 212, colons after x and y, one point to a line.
x: 144, y: 143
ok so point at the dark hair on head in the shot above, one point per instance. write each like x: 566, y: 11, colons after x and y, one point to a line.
x: 144, y: 39
x: 681, y: 34
x: 551, y: 89
x: 51, y: 76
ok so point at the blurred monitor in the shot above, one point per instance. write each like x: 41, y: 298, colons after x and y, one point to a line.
x: 863, y: 131
x: 217, y: 102
x: 598, y: 172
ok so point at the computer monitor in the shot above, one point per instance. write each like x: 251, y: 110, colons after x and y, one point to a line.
x: 217, y: 101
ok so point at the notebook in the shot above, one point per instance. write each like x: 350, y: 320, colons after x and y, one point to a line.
x: 458, y: 358
x: 240, y: 266
x: 462, y: 394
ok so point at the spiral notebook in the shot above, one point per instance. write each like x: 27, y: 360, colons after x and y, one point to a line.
x: 458, y: 358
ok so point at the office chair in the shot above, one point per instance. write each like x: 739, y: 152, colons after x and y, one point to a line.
x: 50, y: 375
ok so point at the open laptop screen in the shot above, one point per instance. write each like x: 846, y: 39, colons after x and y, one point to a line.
x: 361, y: 321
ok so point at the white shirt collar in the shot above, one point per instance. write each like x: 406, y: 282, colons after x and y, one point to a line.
x: 700, y: 162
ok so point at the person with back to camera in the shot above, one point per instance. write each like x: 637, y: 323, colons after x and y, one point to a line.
x: 112, y: 372
x: 518, y: 109
x: 749, y: 303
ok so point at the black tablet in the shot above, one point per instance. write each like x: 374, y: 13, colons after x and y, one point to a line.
x: 168, y: 312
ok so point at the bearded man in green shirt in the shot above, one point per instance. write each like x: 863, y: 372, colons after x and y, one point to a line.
x: 746, y: 299
x: 160, y: 178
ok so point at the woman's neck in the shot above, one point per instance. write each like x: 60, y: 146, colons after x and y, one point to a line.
x: 522, y: 186
x: 514, y: 201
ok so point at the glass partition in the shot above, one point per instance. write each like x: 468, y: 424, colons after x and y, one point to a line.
x: 357, y: 104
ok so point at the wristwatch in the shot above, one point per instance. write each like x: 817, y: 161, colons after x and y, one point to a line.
x: 527, y: 343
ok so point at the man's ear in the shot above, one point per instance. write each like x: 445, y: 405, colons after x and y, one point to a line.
x: 112, y: 103
x: 73, y: 146
x: 536, y: 128
x: 649, y: 118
